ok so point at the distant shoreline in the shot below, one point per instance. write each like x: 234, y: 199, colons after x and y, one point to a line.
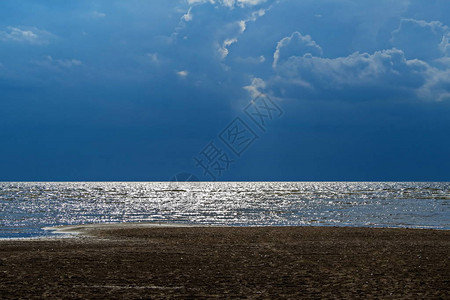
x: 87, y: 228
x: 69, y: 231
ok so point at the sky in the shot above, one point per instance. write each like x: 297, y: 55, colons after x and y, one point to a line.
x: 227, y: 90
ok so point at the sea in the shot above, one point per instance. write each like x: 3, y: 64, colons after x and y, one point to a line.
x: 26, y: 208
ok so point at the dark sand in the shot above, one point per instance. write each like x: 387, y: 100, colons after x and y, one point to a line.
x: 272, y: 262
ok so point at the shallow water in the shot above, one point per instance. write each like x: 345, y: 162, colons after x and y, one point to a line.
x: 25, y: 208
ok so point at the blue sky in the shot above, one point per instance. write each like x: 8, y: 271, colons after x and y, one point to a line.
x: 142, y: 90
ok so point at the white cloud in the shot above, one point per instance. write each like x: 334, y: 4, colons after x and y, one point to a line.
x: 187, y: 16
x: 30, y: 35
x: 225, y: 32
x: 242, y: 25
x: 153, y: 57
x: 223, y: 50
x: 68, y: 63
x: 251, y: 60
x: 229, y: 3
x: 57, y: 64
x: 387, y: 66
x: 183, y: 73
x: 256, y: 87
x: 386, y: 72
x: 437, y: 87
x: 191, y: 2
x: 97, y: 15
x: 444, y: 46
x: 255, y: 15
x: 295, y: 45
x: 421, y: 39
x: 299, y: 62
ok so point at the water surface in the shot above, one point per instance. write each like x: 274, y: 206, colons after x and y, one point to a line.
x: 25, y: 208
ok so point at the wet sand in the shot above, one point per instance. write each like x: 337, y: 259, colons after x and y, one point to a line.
x: 133, y: 262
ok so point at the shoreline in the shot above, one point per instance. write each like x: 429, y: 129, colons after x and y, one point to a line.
x: 87, y: 228
x: 72, y: 231
x: 148, y: 261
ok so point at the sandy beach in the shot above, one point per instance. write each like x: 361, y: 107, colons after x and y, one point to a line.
x: 144, y: 261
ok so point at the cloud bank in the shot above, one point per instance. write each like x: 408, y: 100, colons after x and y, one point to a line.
x: 406, y: 71
x: 30, y: 35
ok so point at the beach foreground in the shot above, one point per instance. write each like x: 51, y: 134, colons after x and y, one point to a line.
x: 123, y: 261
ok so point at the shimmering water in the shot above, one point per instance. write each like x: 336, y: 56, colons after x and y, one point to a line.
x: 25, y: 208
